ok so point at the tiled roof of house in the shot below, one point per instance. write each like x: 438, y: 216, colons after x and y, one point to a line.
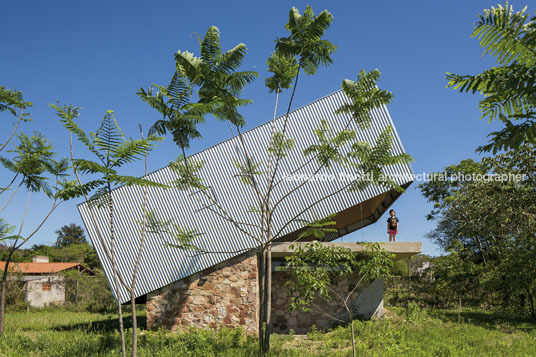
x: 40, y: 268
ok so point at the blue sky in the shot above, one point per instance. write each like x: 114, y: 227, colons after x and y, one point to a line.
x: 96, y: 54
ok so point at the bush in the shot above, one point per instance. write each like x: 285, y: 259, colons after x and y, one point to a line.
x: 94, y: 293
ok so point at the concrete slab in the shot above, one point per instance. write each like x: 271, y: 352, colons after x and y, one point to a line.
x: 402, y: 250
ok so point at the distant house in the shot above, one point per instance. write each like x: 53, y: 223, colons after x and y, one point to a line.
x: 42, y: 285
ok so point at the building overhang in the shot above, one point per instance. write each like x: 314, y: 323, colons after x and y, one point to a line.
x: 401, y: 250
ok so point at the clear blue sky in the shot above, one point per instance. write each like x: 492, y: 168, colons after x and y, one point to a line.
x: 95, y: 54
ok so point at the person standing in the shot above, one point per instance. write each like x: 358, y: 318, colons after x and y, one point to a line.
x: 392, y: 225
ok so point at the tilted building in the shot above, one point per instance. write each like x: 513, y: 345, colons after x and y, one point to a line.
x: 184, y: 288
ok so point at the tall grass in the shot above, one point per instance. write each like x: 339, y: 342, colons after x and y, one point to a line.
x: 405, y: 332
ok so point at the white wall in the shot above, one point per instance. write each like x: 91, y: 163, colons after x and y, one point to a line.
x: 35, y: 296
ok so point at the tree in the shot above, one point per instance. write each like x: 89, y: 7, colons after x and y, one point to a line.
x: 13, y: 102
x: 488, y: 222
x: 112, y: 150
x: 34, y: 166
x: 510, y: 88
x: 83, y: 253
x: 70, y: 234
x: 315, y: 267
x: 218, y: 85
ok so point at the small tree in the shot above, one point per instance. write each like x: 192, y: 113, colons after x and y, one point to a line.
x: 510, y: 88
x: 12, y: 101
x: 214, y: 74
x: 70, y: 234
x: 112, y: 150
x: 317, y: 268
x: 33, y: 165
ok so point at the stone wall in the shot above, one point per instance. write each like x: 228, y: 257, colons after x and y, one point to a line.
x: 224, y: 295
x: 227, y: 295
x: 365, y: 303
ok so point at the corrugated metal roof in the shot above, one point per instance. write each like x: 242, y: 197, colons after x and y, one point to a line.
x: 162, y: 265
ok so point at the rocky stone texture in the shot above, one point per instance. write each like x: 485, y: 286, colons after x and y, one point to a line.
x: 227, y: 295
x: 224, y: 295
x: 368, y: 305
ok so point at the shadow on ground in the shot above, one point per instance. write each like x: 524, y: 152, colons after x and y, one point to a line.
x: 105, y: 325
x: 486, y: 320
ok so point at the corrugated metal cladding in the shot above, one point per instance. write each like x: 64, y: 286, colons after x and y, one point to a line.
x: 162, y: 264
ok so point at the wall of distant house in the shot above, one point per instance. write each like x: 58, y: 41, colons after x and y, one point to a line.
x: 45, y: 291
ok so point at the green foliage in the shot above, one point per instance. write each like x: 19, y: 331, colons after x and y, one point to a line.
x: 371, y: 160
x: 94, y: 293
x: 214, y: 72
x: 64, y: 332
x: 305, y: 40
x: 279, y: 146
x: 284, y: 71
x: 112, y: 150
x: 183, y: 237
x: 12, y: 101
x: 314, y: 266
x: 487, y: 228
x: 328, y: 150
x: 15, y: 295
x: 16, y: 257
x: 248, y: 170
x: 319, y: 228
x: 188, y: 173
x: 70, y: 234
x: 180, y: 116
x: 75, y: 252
x: 5, y: 230
x: 364, y: 96
x: 33, y: 160
x: 509, y: 89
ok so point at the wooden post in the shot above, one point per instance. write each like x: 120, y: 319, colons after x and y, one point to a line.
x: 76, y: 293
x: 26, y: 297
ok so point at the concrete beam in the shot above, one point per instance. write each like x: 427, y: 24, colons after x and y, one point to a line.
x: 402, y: 250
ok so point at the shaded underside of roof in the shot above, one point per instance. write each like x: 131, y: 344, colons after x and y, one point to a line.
x: 162, y: 264
x: 39, y: 268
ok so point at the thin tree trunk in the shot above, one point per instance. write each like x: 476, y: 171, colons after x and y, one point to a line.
x: 137, y: 264
x: 284, y: 127
x: 114, y: 268
x: 268, y: 297
x: 4, y: 289
x: 352, y: 328
x: 531, y: 303
x: 14, y: 130
x: 260, y: 269
x: 134, y: 323
x: 76, y: 293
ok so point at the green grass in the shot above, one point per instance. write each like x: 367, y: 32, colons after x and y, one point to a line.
x: 405, y: 332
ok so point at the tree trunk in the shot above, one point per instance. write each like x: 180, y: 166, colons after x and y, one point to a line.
x: 134, y: 324
x: 3, y: 306
x: 4, y: 290
x: 76, y: 293
x: 260, y: 269
x: 268, y: 298
x: 531, y: 303
x: 116, y: 273
x: 351, y: 328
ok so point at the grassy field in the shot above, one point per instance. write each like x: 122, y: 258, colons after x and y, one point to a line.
x: 413, y: 332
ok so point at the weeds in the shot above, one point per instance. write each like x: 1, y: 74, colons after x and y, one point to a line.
x: 409, y: 330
